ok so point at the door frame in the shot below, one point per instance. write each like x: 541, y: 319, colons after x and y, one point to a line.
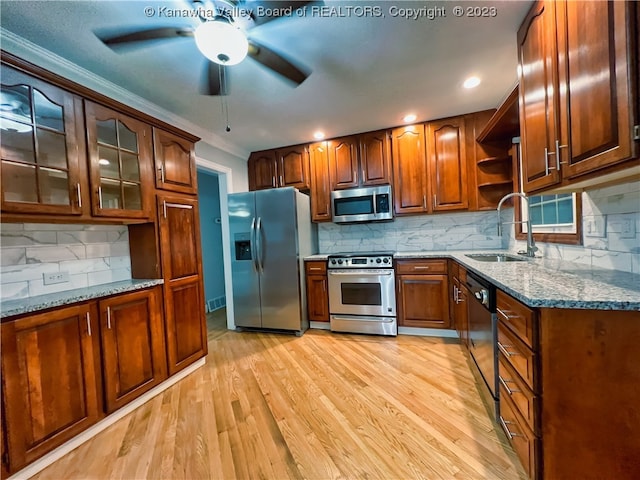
x: 225, y: 187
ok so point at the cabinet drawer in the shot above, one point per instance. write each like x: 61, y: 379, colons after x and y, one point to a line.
x: 517, y: 354
x: 421, y: 266
x: 523, y: 398
x: 315, y: 267
x: 517, y: 316
x: 523, y: 441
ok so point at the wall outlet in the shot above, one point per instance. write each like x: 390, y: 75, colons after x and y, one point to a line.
x: 595, y: 226
x: 55, y: 277
x: 623, y: 225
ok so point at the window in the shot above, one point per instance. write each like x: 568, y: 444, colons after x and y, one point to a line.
x: 555, y: 218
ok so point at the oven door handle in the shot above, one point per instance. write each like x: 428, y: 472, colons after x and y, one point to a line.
x: 361, y: 274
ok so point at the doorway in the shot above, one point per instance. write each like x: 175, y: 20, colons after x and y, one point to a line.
x: 214, y: 183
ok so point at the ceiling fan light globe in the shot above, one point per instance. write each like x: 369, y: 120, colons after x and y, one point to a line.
x: 221, y: 42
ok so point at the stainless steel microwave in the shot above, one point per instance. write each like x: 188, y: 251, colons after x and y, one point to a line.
x: 367, y: 204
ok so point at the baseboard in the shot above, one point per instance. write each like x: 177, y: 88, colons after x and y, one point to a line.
x: 320, y: 325
x: 56, y: 454
x: 428, y: 332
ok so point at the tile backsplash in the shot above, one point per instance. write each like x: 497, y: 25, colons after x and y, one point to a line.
x: 610, y: 231
x: 90, y: 254
x: 455, y: 231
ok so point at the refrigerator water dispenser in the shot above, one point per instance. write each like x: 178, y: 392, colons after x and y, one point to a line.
x: 243, y: 246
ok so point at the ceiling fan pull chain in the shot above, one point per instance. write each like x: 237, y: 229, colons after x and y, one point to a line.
x: 222, y: 78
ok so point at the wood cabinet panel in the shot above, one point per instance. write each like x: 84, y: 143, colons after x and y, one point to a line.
x: 423, y: 301
x: 447, y: 164
x: 537, y: 54
x: 133, y: 349
x: 186, y: 333
x: 262, y: 170
x: 50, y: 379
x: 523, y: 441
x: 343, y: 162
x: 523, y: 398
x: 421, y: 266
x: 320, y: 184
x: 517, y: 316
x: 518, y: 355
x: 175, y: 162
x: 593, y: 44
x: 120, y: 164
x: 317, y: 291
x: 375, y: 158
x: 293, y: 167
x: 43, y: 163
x: 410, y: 189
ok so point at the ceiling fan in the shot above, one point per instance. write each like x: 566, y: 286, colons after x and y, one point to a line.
x: 223, y: 37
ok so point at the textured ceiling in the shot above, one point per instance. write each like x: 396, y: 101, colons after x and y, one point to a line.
x: 367, y: 71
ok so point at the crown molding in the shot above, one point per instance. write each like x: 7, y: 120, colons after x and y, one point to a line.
x: 48, y: 60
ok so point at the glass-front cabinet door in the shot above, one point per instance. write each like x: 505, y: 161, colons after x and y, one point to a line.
x: 120, y: 163
x: 41, y: 132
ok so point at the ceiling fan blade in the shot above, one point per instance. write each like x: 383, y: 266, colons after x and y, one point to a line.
x: 137, y: 38
x: 276, y: 62
x: 272, y: 7
x: 216, y: 80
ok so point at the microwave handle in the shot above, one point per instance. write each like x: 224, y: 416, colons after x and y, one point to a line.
x: 375, y: 205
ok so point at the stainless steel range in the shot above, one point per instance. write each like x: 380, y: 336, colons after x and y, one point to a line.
x: 362, y: 293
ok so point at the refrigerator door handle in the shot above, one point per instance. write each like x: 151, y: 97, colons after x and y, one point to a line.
x: 259, y: 248
x: 252, y: 243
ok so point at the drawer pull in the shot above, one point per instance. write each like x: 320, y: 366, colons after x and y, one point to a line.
x: 507, y: 353
x: 504, y: 315
x: 504, y: 384
x: 421, y: 268
x: 109, y: 318
x: 315, y: 268
x: 509, y: 433
x: 88, y: 318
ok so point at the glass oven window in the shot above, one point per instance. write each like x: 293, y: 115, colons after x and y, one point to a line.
x: 354, y: 206
x: 361, y: 294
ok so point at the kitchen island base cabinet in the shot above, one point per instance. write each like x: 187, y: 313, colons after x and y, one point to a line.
x: 186, y: 328
x: 51, y: 380
x: 133, y: 350
x: 423, y: 294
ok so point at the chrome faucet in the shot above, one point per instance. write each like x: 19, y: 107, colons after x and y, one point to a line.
x: 531, y: 246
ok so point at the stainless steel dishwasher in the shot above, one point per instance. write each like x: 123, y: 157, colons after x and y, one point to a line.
x: 483, y: 337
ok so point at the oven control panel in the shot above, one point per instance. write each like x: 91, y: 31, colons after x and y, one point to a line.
x: 379, y: 261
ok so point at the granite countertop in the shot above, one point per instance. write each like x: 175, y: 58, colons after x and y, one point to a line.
x: 42, y: 302
x: 548, y: 283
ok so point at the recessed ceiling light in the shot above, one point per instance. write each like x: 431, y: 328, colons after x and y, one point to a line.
x: 471, y: 82
x: 318, y: 135
x: 410, y: 118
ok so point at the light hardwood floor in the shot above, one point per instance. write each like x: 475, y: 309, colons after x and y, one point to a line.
x: 319, y: 406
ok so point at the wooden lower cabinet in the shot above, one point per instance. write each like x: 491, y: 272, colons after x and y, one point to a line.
x: 317, y: 291
x: 51, y: 380
x: 422, y: 293
x: 186, y: 327
x: 458, y: 302
x: 133, y: 349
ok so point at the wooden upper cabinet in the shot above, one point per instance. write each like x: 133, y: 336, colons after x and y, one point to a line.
x: 262, y: 170
x: 293, y: 167
x: 175, y: 162
x: 285, y: 167
x: 375, y: 158
x: 360, y: 160
x: 186, y: 330
x: 51, y: 377
x: 43, y: 166
x: 410, y: 190
x: 597, y: 117
x: 133, y: 349
x: 343, y: 162
x: 537, y: 55
x: 577, y: 113
x: 320, y: 185
x: 120, y: 163
x: 447, y: 164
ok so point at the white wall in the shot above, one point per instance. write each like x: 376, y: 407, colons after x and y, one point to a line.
x: 610, y: 230
x: 91, y: 254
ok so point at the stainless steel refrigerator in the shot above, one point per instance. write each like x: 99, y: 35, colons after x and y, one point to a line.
x: 271, y: 233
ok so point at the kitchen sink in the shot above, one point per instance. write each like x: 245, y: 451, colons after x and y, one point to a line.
x: 495, y: 257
